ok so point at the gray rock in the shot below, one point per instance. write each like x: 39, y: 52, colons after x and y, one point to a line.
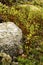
x: 10, y: 38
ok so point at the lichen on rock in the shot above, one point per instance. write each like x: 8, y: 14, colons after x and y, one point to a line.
x: 10, y: 38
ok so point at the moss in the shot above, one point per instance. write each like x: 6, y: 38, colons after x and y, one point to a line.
x: 5, y: 59
x: 29, y: 17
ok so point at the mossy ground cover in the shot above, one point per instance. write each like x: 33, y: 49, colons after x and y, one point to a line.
x: 29, y: 17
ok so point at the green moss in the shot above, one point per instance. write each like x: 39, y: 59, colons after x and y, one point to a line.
x: 30, y: 19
